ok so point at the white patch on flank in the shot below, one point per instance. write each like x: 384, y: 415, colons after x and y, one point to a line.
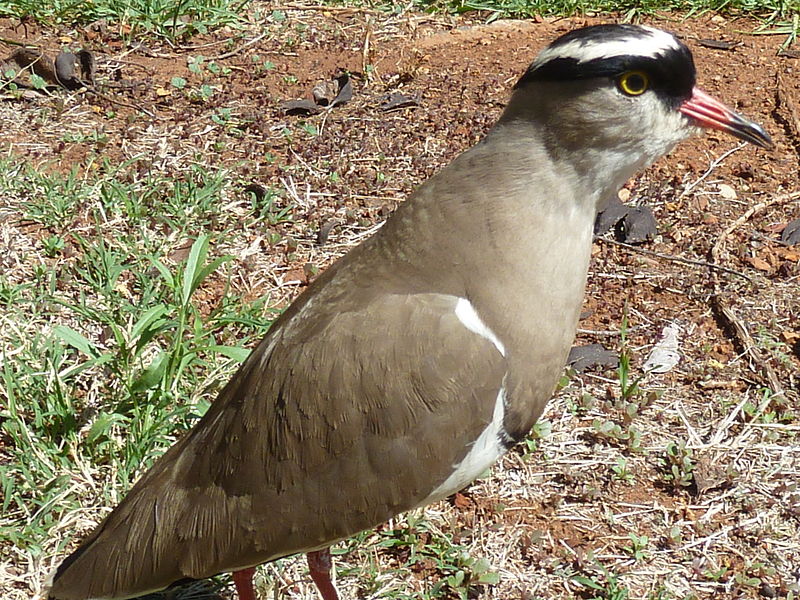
x: 583, y: 51
x: 483, y: 454
x: 472, y: 321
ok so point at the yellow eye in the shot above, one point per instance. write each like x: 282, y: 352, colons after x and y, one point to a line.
x: 633, y: 83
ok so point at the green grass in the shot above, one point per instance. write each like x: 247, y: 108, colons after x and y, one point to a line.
x: 107, y: 351
x: 166, y: 18
x: 180, y: 20
x: 527, y: 8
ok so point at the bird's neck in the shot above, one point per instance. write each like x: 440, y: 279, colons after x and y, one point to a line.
x: 587, y: 174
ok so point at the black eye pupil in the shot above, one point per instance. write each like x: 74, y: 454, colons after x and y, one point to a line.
x: 635, y: 83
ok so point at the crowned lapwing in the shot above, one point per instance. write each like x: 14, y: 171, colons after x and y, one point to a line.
x: 414, y: 362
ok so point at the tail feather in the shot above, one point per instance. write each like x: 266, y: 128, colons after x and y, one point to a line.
x: 157, y: 536
x: 115, y: 561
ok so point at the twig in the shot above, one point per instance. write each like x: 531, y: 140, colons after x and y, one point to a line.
x: 365, y: 49
x: 782, y: 99
x: 11, y: 42
x: 258, y: 38
x: 747, y: 343
x: 715, y: 250
x: 714, y: 164
x: 741, y: 334
x: 90, y: 89
x: 719, y: 533
x: 721, y: 429
x: 678, y: 259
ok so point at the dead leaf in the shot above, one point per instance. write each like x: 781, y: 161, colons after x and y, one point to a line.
x: 638, y: 226
x: 396, y: 101
x: 345, y: 90
x: 325, y: 230
x: 758, y: 263
x: 324, y: 92
x: 302, y: 107
x: 333, y: 92
x: 88, y: 65
x: 30, y: 60
x: 666, y: 353
x: 259, y: 191
x: 181, y: 253
x: 708, y: 473
x: 296, y: 276
x: 790, y: 337
x: 461, y: 501
x: 612, y: 214
x: 162, y: 91
x: 718, y: 44
x: 788, y: 254
x: 590, y: 356
x: 66, y: 63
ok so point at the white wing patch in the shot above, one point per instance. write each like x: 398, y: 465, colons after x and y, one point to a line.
x: 471, y: 320
x: 655, y: 45
x: 482, y: 455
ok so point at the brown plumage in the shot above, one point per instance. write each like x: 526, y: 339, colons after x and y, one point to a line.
x: 418, y: 357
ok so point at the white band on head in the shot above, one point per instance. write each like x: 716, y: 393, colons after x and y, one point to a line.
x: 656, y: 44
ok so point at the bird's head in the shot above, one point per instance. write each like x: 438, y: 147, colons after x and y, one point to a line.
x: 623, y: 92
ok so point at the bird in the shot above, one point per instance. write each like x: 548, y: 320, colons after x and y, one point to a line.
x: 410, y: 365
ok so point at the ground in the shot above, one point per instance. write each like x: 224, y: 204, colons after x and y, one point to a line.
x: 686, y: 486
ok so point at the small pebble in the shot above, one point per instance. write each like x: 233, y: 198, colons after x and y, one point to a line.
x: 727, y: 191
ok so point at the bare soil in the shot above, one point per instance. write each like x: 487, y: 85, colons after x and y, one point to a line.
x: 544, y: 515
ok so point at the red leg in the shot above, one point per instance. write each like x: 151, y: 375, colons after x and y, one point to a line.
x: 243, y: 580
x: 319, y: 565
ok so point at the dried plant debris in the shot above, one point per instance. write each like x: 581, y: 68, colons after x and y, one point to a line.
x: 666, y: 353
x: 302, y: 107
x: 631, y: 224
x: 638, y: 225
x: 325, y: 231
x: 591, y: 356
x: 397, y: 101
x: 67, y: 64
x: 334, y: 91
x: 326, y: 94
x: 710, y: 474
x: 718, y: 44
x: 61, y: 71
x: 612, y: 214
x: 258, y: 191
x: 26, y: 61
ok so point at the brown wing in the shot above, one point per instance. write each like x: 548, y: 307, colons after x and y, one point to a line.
x: 331, y: 426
